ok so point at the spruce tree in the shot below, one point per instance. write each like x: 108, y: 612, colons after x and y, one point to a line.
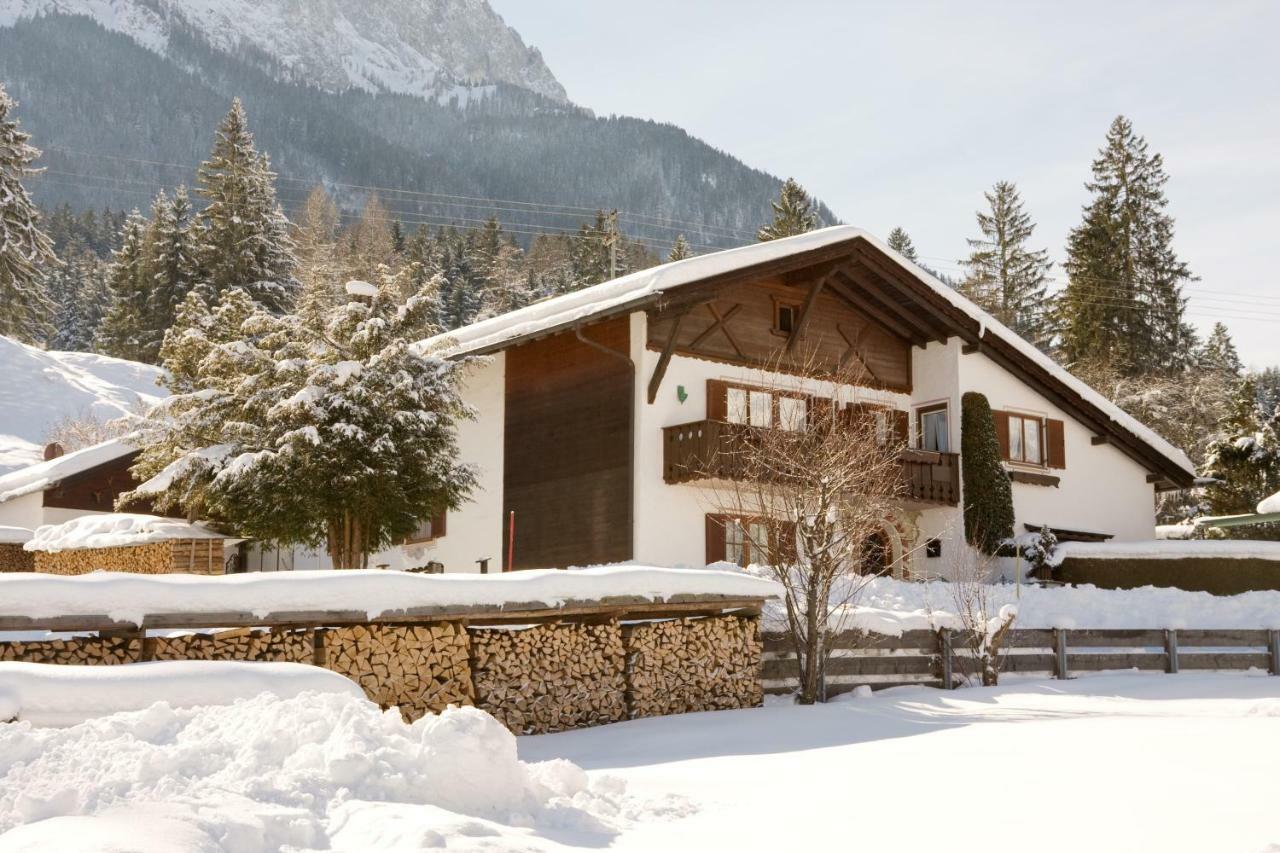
x: 170, y: 266
x: 124, y: 329
x: 1243, y: 460
x: 901, y: 243
x: 1123, y: 303
x: 26, y: 253
x: 79, y: 293
x: 320, y: 270
x: 1007, y: 277
x: 1218, y: 353
x: 245, y: 238
x: 793, y: 213
x: 680, y: 250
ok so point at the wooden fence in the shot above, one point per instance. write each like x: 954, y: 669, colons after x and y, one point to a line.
x: 945, y: 659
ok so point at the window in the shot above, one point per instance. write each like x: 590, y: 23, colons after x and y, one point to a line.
x: 935, y: 433
x: 761, y: 408
x: 737, y: 407
x: 1024, y: 439
x: 428, y: 529
x: 793, y: 413
x: 745, y: 543
x: 738, y: 404
x: 785, y: 316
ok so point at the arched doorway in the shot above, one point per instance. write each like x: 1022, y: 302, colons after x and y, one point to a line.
x: 877, y: 554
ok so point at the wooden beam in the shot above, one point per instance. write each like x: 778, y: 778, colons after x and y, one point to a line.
x: 866, y: 306
x: 885, y: 286
x: 720, y: 323
x: 1155, y: 478
x: 970, y: 349
x: 660, y: 369
x: 806, y: 312
x: 1099, y: 439
x: 853, y: 352
x: 862, y: 281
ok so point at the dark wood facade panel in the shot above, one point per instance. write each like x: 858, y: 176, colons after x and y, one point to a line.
x: 567, y: 467
x: 739, y: 327
x: 96, y: 489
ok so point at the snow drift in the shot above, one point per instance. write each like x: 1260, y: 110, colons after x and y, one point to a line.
x: 326, y: 771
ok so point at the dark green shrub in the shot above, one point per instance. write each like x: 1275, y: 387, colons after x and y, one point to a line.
x: 988, y: 500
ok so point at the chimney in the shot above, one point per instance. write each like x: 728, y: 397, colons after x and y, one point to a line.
x: 53, y: 450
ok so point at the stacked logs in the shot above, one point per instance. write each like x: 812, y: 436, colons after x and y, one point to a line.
x: 242, y: 644
x: 685, y: 665
x: 550, y: 678
x: 14, y: 559
x: 77, y: 650
x: 153, y: 558
x: 420, y: 668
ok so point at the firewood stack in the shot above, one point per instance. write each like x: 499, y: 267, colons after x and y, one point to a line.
x: 549, y: 678
x: 685, y: 665
x: 421, y: 668
x: 194, y: 556
x: 77, y: 651
x: 14, y: 559
x: 241, y: 644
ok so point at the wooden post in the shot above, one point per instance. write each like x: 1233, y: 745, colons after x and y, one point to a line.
x: 1060, y: 653
x: 319, y: 654
x: 511, y: 541
x: 944, y: 643
x: 1274, y: 638
x: 1171, y: 650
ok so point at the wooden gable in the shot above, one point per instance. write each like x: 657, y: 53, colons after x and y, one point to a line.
x: 96, y: 489
x: 786, y: 320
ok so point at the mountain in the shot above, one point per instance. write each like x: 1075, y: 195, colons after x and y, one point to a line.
x: 429, y: 48
x: 434, y: 104
x: 40, y: 390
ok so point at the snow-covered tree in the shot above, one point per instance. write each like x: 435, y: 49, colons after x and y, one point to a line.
x: 1218, y: 353
x: 1244, y: 460
x: 26, y: 252
x: 343, y: 440
x: 245, y: 239
x: 320, y: 269
x: 169, y: 265
x: 124, y: 330
x: 900, y: 241
x: 1123, y: 303
x: 680, y: 249
x: 793, y: 213
x: 1006, y: 276
x: 79, y: 292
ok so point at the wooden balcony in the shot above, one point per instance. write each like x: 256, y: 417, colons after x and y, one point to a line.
x: 702, y: 450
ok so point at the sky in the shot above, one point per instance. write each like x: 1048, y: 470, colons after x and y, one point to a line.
x: 904, y: 113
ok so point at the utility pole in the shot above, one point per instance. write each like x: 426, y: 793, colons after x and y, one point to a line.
x: 611, y: 240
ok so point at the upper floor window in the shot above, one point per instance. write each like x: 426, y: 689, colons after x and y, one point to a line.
x: 785, y: 316
x: 757, y: 407
x: 934, y: 428
x: 1024, y: 439
x: 1028, y: 439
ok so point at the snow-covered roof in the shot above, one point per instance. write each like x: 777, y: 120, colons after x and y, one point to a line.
x: 1269, y: 505
x: 639, y: 288
x: 114, y: 530
x: 46, y: 475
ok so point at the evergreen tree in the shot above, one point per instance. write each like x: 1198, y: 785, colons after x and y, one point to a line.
x: 124, y: 329
x: 1006, y: 277
x: 245, y: 237
x: 1244, y: 460
x: 170, y: 266
x: 1218, y: 353
x: 793, y: 213
x: 988, y: 498
x: 680, y: 250
x: 293, y: 437
x: 320, y: 270
x: 596, y: 253
x: 1123, y: 303
x: 901, y: 243
x: 79, y: 293
x: 26, y: 253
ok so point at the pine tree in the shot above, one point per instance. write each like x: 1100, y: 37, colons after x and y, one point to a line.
x: 245, y: 238
x: 1006, y: 277
x: 26, y: 253
x: 124, y: 327
x: 1123, y: 303
x: 901, y: 243
x: 591, y: 260
x: 680, y: 250
x: 1244, y: 459
x: 1218, y: 353
x: 793, y: 213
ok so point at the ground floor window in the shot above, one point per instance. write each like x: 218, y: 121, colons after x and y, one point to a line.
x: 428, y: 529
x: 744, y: 540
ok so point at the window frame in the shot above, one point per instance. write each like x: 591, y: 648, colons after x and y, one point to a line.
x: 793, y: 306
x: 775, y: 408
x: 928, y: 409
x: 442, y: 517
x: 1024, y: 419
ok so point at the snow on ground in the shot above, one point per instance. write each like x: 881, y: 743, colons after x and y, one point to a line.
x: 890, y: 606
x: 128, y: 597
x: 63, y: 695
x: 312, y: 772
x: 114, y: 530
x: 1231, y: 549
x: 39, y: 389
x: 1112, y: 762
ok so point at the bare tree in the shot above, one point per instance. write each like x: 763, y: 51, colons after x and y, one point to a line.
x: 985, y: 621
x: 808, y: 491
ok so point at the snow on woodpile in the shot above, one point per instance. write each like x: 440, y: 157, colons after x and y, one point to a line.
x: 38, y: 389
x: 43, y: 475
x: 59, y: 695
x: 115, y: 530
x: 319, y: 771
x: 14, y: 535
x: 889, y: 606
x: 128, y: 597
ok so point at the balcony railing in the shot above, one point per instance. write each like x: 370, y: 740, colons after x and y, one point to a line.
x: 703, y: 450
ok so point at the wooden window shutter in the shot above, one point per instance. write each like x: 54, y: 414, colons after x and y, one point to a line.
x: 717, y: 400
x: 438, y: 522
x: 1055, y: 444
x: 860, y: 414
x: 901, y: 426
x: 820, y: 411
x: 715, y: 538
x: 1002, y: 432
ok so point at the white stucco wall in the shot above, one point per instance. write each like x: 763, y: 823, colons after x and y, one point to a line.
x: 26, y: 511
x: 1101, y: 489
